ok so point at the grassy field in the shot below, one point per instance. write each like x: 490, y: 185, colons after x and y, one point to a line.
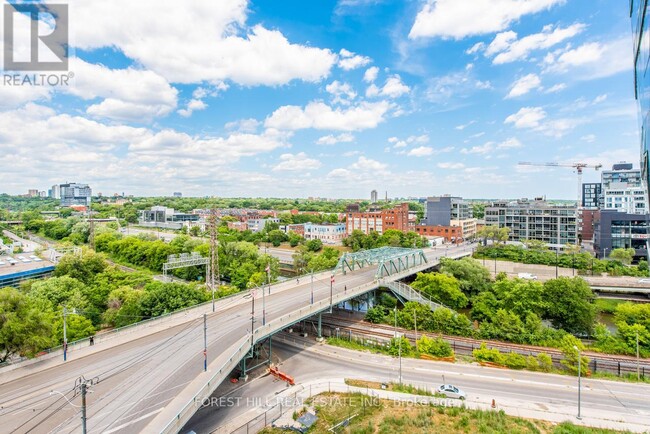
x: 387, y: 417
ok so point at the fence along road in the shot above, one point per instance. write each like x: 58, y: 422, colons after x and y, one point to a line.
x: 153, y: 379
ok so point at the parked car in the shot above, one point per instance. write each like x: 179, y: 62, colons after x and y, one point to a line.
x: 451, y: 391
x: 644, y: 280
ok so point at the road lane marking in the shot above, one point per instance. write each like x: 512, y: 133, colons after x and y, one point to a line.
x: 124, y: 425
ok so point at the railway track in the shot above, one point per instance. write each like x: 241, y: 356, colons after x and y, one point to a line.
x: 619, y: 365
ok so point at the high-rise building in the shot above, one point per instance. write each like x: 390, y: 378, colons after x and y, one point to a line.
x: 437, y: 211
x: 373, y: 196
x: 638, y: 9
x: 178, y: 194
x: 55, y: 192
x: 622, y: 190
x: 534, y: 220
x: 619, y: 230
x: 591, y: 194
x: 75, y: 194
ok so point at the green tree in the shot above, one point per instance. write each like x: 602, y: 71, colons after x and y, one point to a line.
x: 570, y: 304
x: 376, y: 314
x: 396, y: 343
x: 295, y: 239
x: 276, y: 237
x: 77, y: 327
x: 624, y: 256
x: 314, y: 245
x: 60, y: 291
x: 441, y: 287
x: 161, y: 298
x: 568, y: 346
x: 83, y: 268
x: 473, y: 277
x: 25, y: 324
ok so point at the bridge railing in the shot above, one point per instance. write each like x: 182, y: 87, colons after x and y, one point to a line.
x: 411, y: 294
x: 240, y: 349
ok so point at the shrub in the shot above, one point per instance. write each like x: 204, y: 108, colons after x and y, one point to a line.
x: 436, y: 347
x: 483, y: 354
x: 545, y: 362
x: 515, y: 361
x: 531, y: 363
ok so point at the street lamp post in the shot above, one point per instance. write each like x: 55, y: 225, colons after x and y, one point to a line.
x: 637, y: 356
x: 65, y: 336
x: 604, y: 252
x: 579, y: 378
x: 557, y: 258
x: 312, y: 286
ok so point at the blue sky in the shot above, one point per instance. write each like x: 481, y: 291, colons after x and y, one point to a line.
x: 274, y: 99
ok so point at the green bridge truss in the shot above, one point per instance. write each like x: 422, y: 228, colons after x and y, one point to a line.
x: 388, y: 259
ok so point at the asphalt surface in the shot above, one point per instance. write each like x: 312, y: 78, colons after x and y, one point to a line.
x: 545, y: 392
x: 137, y: 379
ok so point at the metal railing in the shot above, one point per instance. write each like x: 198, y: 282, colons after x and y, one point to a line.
x: 409, y: 294
x: 188, y: 410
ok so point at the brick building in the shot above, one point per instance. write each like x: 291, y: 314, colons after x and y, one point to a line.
x: 379, y: 221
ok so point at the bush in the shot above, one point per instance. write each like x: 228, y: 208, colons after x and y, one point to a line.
x: 375, y: 314
x: 485, y: 354
x: 515, y: 361
x: 436, y: 347
x: 545, y: 362
x: 532, y: 364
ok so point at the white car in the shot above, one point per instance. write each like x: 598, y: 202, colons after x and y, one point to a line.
x: 451, y: 391
x: 644, y: 280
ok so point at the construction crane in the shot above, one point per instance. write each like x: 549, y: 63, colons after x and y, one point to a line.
x: 578, y: 168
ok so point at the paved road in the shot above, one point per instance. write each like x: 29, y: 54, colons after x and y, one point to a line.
x: 137, y: 379
x: 553, y: 397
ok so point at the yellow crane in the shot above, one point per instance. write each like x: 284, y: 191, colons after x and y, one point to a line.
x: 577, y: 166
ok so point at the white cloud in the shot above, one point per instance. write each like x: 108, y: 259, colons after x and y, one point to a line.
x: 510, y: 49
x: 372, y: 91
x: 216, y: 44
x: 421, y: 151
x: 333, y: 140
x: 482, y: 149
x: 366, y: 164
x: 371, y: 74
x: 349, y: 60
x: 394, y: 87
x: 524, y: 85
x: 589, y: 138
x: 117, y: 109
x: 249, y: 125
x: 534, y: 118
x: 454, y: 19
x: 296, y: 162
x: 592, y: 59
x: 556, y: 88
x: 600, y: 98
x: 488, y: 147
x: 510, y: 143
x: 192, y: 106
x: 527, y: 117
x: 448, y: 165
x: 463, y: 126
x: 341, y: 92
x: 321, y: 116
x: 479, y: 46
x: 448, y: 88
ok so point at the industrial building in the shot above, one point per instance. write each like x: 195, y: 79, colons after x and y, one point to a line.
x: 379, y: 220
x: 163, y: 217
x: 332, y: 233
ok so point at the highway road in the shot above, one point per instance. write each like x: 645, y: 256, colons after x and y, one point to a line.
x: 529, y: 394
x: 137, y: 379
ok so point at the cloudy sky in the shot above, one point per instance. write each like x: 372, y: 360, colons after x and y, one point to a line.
x: 270, y: 98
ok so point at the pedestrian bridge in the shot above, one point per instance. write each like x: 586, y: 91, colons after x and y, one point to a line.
x: 162, y: 381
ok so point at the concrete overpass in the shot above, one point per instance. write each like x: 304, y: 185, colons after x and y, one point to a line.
x: 157, y: 382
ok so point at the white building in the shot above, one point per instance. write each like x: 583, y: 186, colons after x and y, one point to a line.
x: 622, y: 189
x: 327, y: 233
x: 258, y: 225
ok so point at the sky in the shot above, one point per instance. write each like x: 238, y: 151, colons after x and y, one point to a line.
x: 268, y: 98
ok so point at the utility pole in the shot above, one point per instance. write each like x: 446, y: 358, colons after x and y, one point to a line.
x: 556, y: 261
x: 637, y: 356
x: 331, y: 293
x: 579, y: 377
x: 415, y: 321
x: 214, y: 253
x: 400, y: 358
x: 65, y: 335
x: 252, y: 320
x: 91, y: 223
x: 312, y: 286
x: 205, y: 342
x: 83, y: 407
x: 263, y: 308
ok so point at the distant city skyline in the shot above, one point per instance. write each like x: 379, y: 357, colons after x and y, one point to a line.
x: 416, y: 98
